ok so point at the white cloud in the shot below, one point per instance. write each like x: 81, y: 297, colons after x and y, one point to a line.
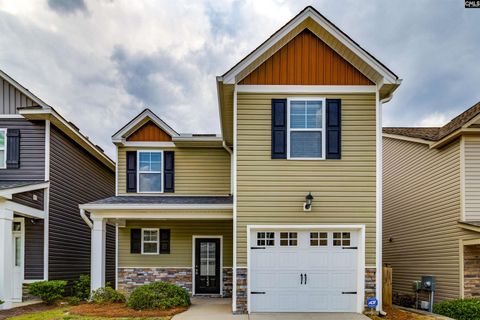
x: 433, y: 120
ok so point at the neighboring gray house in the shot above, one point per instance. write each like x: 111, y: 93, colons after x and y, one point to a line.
x: 47, y: 168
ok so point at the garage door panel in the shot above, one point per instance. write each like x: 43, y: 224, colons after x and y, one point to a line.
x: 280, y: 271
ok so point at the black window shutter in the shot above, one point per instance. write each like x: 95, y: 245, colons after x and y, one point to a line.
x: 169, y: 171
x: 334, y: 129
x: 279, y: 128
x: 13, y: 148
x: 135, y: 240
x: 164, y: 241
x: 131, y: 171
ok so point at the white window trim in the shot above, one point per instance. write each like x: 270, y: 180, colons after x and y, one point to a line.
x: 288, y: 238
x: 157, y: 242
x: 4, y: 164
x: 323, y: 129
x: 266, y: 239
x: 139, y: 171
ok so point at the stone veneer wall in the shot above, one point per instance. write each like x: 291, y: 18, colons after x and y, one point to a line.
x: 241, y: 291
x: 370, y: 283
x: 130, y: 278
x: 471, y: 271
x: 370, y: 287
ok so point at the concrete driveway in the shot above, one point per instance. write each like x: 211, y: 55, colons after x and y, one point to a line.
x: 221, y: 309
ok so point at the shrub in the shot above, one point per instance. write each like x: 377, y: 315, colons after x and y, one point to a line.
x: 158, y: 295
x: 74, y: 300
x: 404, y: 300
x: 467, y: 309
x: 107, y: 294
x: 2, y: 302
x: 81, y: 287
x: 48, y: 291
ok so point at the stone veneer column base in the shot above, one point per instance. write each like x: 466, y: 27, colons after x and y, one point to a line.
x: 471, y: 271
x: 130, y: 278
x: 370, y: 283
x: 241, y: 291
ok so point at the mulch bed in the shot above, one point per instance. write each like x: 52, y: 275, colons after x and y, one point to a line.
x: 119, y: 310
x: 38, y: 307
x: 398, y: 314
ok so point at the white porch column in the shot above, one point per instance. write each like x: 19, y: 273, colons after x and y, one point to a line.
x: 6, y: 258
x: 98, y: 253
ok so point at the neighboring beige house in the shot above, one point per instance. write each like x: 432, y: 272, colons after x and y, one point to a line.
x: 431, y: 205
x: 283, y: 211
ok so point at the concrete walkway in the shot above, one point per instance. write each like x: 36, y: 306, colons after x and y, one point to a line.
x: 221, y: 309
x: 210, y: 309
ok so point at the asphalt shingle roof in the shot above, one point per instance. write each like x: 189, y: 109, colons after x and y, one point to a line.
x: 8, y: 184
x: 436, y: 133
x: 166, y: 200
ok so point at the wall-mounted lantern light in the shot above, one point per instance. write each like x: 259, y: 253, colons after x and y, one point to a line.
x: 307, y: 206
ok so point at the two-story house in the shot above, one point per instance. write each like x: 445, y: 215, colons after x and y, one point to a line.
x: 47, y: 168
x: 432, y: 206
x: 283, y: 211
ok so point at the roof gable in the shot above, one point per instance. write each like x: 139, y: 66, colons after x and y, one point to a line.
x: 306, y: 60
x: 325, y: 30
x: 133, y: 127
x: 149, y: 132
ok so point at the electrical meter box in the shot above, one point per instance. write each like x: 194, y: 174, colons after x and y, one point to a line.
x: 428, y: 283
x: 417, y: 285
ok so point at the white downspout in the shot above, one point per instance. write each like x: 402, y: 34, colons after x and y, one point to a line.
x: 229, y: 150
x: 379, y: 203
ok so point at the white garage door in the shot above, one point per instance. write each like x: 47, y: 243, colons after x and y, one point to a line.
x: 303, y: 271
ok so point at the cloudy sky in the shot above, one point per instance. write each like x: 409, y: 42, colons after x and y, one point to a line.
x: 100, y: 62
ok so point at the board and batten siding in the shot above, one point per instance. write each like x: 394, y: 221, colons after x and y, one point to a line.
x: 181, y: 233
x: 76, y: 177
x: 198, y: 171
x: 273, y: 191
x: 34, y: 240
x: 472, y: 178
x: 11, y: 98
x: 421, y: 209
x: 32, y: 150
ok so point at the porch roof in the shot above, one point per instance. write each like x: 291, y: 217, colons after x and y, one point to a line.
x: 8, y: 184
x: 165, y: 200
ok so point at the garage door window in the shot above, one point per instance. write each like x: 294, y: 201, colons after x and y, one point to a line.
x: 266, y: 239
x: 318, y: 239
x: 288, y: 239
x: 341, y: 239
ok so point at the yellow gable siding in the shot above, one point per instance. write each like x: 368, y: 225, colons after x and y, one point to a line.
x: 181, y: 232
x: 198, y: 171
x: 273, y: 191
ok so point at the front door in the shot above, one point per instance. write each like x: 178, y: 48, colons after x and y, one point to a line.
x: 207, y: 266
x: 18, y: 248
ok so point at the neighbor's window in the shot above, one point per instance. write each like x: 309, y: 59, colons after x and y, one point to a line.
x: 3, y: 148
x: 150, y: 241
x: 318, y: 239
x: 341, y: 239
x: 266, y: 239
x: 150, y: 171
x: 288, y: 239
x: 305, y: 130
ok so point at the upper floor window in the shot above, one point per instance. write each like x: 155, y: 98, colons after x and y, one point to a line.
x: 3, y: 148
x: 306, y: 123
x: 150, y: 175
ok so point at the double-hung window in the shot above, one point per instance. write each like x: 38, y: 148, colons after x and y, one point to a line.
x: 306, y: 123
x: 150, y: 240
x: 150, y: 173
x: 3, y: 148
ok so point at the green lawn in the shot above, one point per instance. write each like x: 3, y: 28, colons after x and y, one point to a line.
x: 62, y: 314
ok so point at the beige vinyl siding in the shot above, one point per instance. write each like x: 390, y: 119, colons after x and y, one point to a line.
x: 472, y: 178
x: 181, y: 232
x: 198, y: 171
x: 273, y: 191
x: 421, y: 209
